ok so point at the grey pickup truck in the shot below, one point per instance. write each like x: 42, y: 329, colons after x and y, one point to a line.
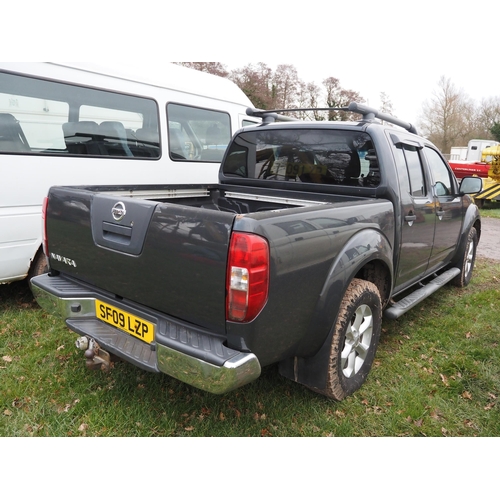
x: 314, y: 232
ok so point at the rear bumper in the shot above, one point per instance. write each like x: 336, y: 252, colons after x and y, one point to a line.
x: 180, y: 350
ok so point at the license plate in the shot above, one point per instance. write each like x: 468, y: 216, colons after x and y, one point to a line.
x: 125, y: 321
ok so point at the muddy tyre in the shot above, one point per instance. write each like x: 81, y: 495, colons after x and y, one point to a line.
x: 38, y: 266
x: 355, y: 339
x: 466, y: 264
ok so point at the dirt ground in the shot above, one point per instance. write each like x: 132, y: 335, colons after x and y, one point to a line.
x: 489, y: 244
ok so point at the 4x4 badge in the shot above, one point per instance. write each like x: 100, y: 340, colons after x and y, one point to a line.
x: 118, y: 211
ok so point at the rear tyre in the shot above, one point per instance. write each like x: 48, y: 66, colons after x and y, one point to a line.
x: 38, y: 266
x: 355, y: 339
x: 468, y: 259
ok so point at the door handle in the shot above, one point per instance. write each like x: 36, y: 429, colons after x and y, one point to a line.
x: 410, y: 218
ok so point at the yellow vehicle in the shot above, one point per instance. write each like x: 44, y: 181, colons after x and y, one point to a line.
x: 491, y: 185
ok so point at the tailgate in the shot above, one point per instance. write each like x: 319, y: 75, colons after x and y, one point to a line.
x: 166, y: 256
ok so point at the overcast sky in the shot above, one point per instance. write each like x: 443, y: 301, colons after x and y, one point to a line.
x: 400, y: 48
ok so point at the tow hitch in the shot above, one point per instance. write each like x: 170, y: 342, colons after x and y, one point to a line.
x: 95, y: 357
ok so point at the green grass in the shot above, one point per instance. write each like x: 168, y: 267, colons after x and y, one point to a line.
x: 437, y: 373
x: 491, y: 208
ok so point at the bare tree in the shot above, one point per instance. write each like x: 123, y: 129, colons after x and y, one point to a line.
x: 303, y: 101
x: 268, y: 89
x: 314, y: 102
x: 285, y: 85
x: 282, y: 89
x: 449, y: 117
x: 386, y: 104
x: 488, y: 116
x: 255, y: 81
x: 338, y: 97
x: 308, y: 95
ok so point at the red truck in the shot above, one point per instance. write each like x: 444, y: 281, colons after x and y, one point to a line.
x: 463, y: 168
x: 481, y: 159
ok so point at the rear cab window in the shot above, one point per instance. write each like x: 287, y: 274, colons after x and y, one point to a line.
x: 321, y: 156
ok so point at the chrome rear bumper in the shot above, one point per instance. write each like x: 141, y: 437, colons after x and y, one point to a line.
x: 182, y: 351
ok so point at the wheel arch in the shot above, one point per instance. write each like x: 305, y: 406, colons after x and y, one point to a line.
x: 373, y: 264
x: 38, y: 265
x: 367, y: 255
x: 471, y: 219
x: 378, y: 272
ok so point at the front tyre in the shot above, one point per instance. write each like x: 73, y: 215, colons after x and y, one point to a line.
x: 355, y: 338
x: 467, y: 261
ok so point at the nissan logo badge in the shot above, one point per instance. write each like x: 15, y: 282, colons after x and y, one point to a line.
x: 118, y: 211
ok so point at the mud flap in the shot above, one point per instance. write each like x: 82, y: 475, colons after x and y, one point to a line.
x: 311, y: 371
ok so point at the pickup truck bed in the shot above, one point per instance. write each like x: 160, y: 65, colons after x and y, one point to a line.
x: 178, y: 266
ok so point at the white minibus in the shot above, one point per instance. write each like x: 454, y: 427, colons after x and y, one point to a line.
x: 77, y: 124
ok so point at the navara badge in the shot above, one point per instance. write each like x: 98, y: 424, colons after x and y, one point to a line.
x: 118, y: 211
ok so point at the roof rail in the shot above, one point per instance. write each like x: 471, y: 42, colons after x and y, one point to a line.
x: 368, y: 115
x: 271, y: 115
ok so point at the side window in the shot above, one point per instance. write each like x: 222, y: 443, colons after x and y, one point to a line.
x: 31, y: 124
x: 112, y: 132
x: 440, y: 173
x: 197, y: 134
x: 415, y: 171
x: 403, y: 173
x: 44, y: 117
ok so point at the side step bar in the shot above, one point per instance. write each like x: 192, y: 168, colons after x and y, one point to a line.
x: 405, y: 304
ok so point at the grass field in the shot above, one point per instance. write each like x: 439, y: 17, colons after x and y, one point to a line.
x: 437, y: 373
x: 491, y: 209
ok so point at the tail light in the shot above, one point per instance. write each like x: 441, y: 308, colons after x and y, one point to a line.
x: 45, y: 242
x: 247, y: 276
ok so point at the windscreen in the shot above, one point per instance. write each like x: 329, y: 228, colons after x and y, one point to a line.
x: 322, y: 156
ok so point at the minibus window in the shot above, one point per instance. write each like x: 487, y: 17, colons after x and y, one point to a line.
x: 43, y: 117
x: 197, y: 134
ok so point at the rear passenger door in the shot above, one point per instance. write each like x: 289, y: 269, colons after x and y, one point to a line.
x: 417, y: 214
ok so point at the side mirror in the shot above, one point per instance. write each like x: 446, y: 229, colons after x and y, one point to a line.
x: 471, y: 185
